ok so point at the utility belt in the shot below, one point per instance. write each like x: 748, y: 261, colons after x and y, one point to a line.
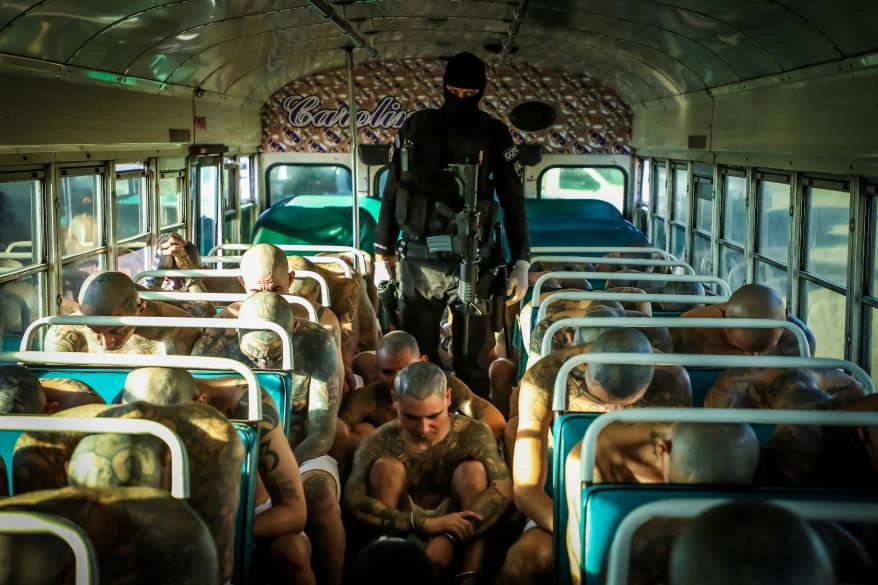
x: 421, y: 249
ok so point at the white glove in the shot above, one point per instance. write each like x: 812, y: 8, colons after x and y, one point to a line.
x: 385, y: 269
x: 516, y: 286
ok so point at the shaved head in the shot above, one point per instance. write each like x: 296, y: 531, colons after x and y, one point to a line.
x: 749, y: 543
x: 264, y: 268
x: 420, y: 381
x: 161, y: 386
x: 20, y: 391
x: 755, y: 301
x: 116, y: 460
x: 108, y: 294
x: 713, y: 453
x: 620, y: 383
x: 396, y: 342
x: 264, y: 347
x: 793, y: 389
x: 675, y: 287
x: 304, y: 287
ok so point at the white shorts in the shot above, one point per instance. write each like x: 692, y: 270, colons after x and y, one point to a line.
x: 323, y: 463
x: 530, y: 524
x: 359, y: 381
x: 263, y: 507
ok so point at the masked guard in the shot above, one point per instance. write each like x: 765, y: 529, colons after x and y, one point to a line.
x: 445, y: 167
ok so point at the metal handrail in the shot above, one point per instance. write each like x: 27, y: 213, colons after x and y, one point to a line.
x: 559, y: 399
x: 346, y: 268
x: 86, y: 570
x: 254, y: 412
x: 230, y: 273
x: 601, y: 250
x: 177, y: 296
x: 675, y: 322
x: 124, y: 426
x: 615, y: 261
x: 718, y: 416
x: 16, y: 255
x: 641, y: 276
x: 358, y: 255
x: 19, y: 244
x: 600, y: 295
x: 620, y: 550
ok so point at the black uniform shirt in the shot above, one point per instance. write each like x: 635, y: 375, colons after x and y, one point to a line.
x: 435, y: 140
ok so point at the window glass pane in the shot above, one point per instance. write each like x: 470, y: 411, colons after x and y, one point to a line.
x: 874, y: 253
x: 704, y: 205
x: 658, y: 232
x: 681, y: 195
x: 678, y: 241
x: 170, y: 200
x: 22, y: 223
x: 827, y: 232
x: 661, y: 190
x: 19, y: 307
x: 774, y: 220
x: 73, y: 275
x: 872, y: 315
x: 734, y: 208
x: 823, y: 311
x: 604, y: 184
x: 130, y: 206
x: 291, y: 180
x: 135, y: 257
x: 245, y: 187
x: 80, y: 217
x: 773, y: 277
x: 645, y: 167
x: 208, y: 189
x: 701, y: 254
x: 228, y: 187
x: 731, y: 267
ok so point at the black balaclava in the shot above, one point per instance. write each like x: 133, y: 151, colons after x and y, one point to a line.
x: 467, y: 71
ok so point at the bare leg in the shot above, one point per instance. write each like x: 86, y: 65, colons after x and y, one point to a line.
x: 470, y: 479
x: 290, y: 559
x: 324, y: 526
x: 529, y: 560
x: 388, y: 481
x: 502, y: 376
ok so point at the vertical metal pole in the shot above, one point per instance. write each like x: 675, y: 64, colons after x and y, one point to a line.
x: 352, y: 119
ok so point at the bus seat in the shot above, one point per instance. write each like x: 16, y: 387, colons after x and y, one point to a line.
x: 11, y: 342
x: 7, y: 450
x: 572, y: 208
x: 606, y: 505
x: 108, y: 383
x: 562, y: 230
x: 244, y: 521
x: 312, y: 219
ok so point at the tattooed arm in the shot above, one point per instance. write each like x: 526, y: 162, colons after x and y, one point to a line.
x: 528, y: 464
x: 279, y: 471
x: 838, y: 384
x: 473, y: 406
x: 738, y: 388
x: 317, y: 355
x: 356, y: 499
x: 497, y: 498
x: 65, y: 338
x: 368, y: 320
x: 64, y: 393
x: 217, y: 343
x: 356, y: 407
x: 346, y: 308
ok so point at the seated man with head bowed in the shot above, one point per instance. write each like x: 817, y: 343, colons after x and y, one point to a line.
x: 751, y: 301
x: 22, y: 392
x: 412, y: 471
x: 113, y: 294
x: 315, y: 402
x: 372, y: 406
x: 681, y: 453
x: 280, y: 501
x: 590, y: 388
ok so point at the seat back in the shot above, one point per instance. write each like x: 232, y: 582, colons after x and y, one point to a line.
x: 246, y: 506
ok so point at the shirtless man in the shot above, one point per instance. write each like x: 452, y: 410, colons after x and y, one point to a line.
x: 749, y: 543
x: 212, y: 443
x: 372, y: 406
x: 280, y: 503
x: 429, y: 459
x: 596, y: 388
x: 114, y: 294
x: 22, y: 392
x: 778, y: 388
x: 175, y: 253
x: 141, y: 536
x: 315, y: 402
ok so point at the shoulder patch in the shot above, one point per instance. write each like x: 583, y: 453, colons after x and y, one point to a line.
x: 510, y: 153
x: 390, y: 153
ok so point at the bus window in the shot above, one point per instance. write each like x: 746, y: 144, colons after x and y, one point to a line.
x: 735, y: 209
x: 130, y: 201
x: 205, y: 185
x: 171, y: 200
x: 661, y: 205
x: 772, y: 276
x: 827, y: 233
x: 824, y: 312
x: 292, y: 180
x: 602, y: 183
x: 732, y: 268
x: 229, y: 201
x: 680, y: 215
x: 20, y: 305
x: 641, y: 206
x: 247, y: 197
x: 22, y: 213
x: 702, y: 254
x: 81, y: 219
x: 73, y: 275
x: 773, y: 219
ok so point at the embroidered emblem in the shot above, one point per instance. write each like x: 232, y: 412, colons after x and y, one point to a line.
x: 510, y: 153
